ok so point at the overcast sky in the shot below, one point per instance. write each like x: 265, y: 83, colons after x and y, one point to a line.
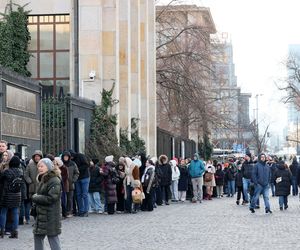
x: 261, y: 31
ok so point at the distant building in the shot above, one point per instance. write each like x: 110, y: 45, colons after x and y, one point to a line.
x: 233, y: 129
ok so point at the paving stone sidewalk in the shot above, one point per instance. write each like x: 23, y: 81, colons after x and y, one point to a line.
x: 217, y: 224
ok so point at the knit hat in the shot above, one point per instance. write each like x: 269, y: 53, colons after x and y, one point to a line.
x: 137, y: 162
x: 14, y: 162
x: 109, y: 158
x: 47, y: 162
x: 58, y: 161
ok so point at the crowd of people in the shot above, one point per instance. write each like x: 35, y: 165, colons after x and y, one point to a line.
x: 46, y: 189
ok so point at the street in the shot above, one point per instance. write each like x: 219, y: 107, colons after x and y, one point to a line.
x: 217, y: 224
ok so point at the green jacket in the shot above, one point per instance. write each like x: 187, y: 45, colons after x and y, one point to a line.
x: 48, y: 208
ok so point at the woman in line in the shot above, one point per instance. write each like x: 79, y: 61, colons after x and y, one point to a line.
x: 47, y: 203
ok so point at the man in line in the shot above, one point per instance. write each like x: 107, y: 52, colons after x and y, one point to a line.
x: 197, y: 170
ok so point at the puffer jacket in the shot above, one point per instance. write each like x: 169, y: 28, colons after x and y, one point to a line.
x: 261, y: 173
x: 284, y: 180
x: 10, y: 199
x: 48, y: 208
x: 164, y: 171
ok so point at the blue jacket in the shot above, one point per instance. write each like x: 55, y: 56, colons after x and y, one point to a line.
x: 196, y: 168
x: 261, y: 174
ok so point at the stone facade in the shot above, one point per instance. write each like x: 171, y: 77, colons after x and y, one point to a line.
x: 116, y: 44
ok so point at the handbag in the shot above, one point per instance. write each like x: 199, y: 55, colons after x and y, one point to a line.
x: 208, y: 177
x: 137, y: 196
x: 33, y: 212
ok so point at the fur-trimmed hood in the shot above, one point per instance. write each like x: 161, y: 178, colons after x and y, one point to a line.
x: 163, y: 159
x: 47, y: 176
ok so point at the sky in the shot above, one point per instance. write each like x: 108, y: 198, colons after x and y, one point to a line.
x: 261, y: 31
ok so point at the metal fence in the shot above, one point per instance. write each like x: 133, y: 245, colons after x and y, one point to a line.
x: 54, y: 125
x: 171, y: 145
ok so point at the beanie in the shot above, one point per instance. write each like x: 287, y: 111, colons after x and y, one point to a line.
x: 47, y: 162
x: 109, y: 158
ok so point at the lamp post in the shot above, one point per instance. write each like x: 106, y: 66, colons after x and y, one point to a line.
x: 257, y: 129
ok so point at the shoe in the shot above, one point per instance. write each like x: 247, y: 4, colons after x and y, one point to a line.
x: 14, y: 235
x: 257, y: 207
x: 281, y: 208
x: 101, y: 212
x: 194, y: 201
x: 200, y: 201
x: 268, y: 211
x: 238, y: 203
x: 84, y: 214
x: 286, y: 207
x: 2, y: 233
x: 69, y: 215
x: 167, y: 203
x: 252, y: 210
x: 27, y: 222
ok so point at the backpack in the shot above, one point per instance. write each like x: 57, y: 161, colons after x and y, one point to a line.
x: 15, y: 185
x: 137, y: 196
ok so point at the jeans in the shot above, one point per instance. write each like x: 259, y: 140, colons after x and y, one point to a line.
x: 283, y: 200
x: 197, y: 188
x: 15, y: 217
x: 219, y: 190
x: 264, y: 190
x: 246, y: 185
x: 182, y: 195
x: 294, y: 185
x: 53, y: 242
x: 231, y: 188
x: 174, y: 189
x: 95, y: 202
x: 25, y: 210
x: 272, y: 187
x: 82, y: 187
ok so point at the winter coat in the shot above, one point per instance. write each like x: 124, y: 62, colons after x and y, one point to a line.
x: 8, y: 198
x: 230, y: 173
x: 210, y: 169
x: 184, y: 178
x: 65, y: 178
x: 48, y: 208
x: 96, y: 179
x: 31, y: 173
x: 273, y: 167
x: 109, y: 187
x: 247, y: 169
x: 73, y: 174
x: 196, y: 168
x: 83, y: 166
x: 294, y: 167
x: 175, y: 170
x: 239, y: 178
x: 261, y: 173
x: 284, y: 180
x: 164, y: 171
x: 148, y: 178
x: 219, y: 177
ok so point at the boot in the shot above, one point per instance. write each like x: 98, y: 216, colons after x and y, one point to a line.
x: 2, y: 233
x: 14, y: 235
x: 209, y: 197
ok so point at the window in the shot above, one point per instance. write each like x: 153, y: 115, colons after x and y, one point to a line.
x: 50, y: 50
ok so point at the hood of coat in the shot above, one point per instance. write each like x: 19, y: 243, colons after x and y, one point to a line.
x: 47, y: 176
x: 281, y: 165
x: 196, y: 155
x: 163, y: 159
x: 173, y: 163
x: 260, y: 158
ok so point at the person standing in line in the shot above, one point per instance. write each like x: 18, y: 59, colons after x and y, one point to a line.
x: 283, y: 181
x: 164, y: 172
x: 219, y: 177
x: 11, y: 198
x: 239, y: 184
x: 196, y: 170
x: 261, y: 178
x: 47, y: 201
x: 73, y: 177
x: 293, y: 168
x: 247, y: 168
x: 183, y: 180
x: 209, y: 179
x: 175, y: 178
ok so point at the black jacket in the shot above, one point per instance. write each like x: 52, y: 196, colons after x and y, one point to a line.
x: 284, y: 180
x: 219, y: 177
x: 96, y: 179
x: 83, y: 166
x: 239, y: 179
x: 247, y: 168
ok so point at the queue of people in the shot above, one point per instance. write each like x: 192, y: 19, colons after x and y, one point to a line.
x: 48, y: 189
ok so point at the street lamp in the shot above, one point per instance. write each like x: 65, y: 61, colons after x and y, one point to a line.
x: 257, y: 129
